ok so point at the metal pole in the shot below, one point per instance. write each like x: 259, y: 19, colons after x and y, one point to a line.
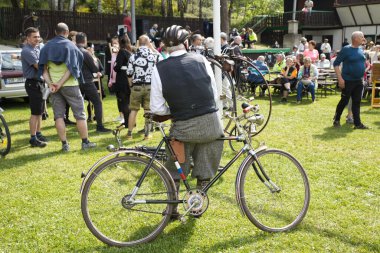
x: 217, y: 51
x: 294, y: 9
x: 133, y: 18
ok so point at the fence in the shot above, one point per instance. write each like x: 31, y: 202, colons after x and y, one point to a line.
x: 95, y: 25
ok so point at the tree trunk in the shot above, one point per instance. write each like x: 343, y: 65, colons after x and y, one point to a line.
x: 230, y: 13
x: 224, y: 22
x: 61, y: 4
x: 100, y: 9
x: 117, y: 6
x: 200, y: 9
x: 180, y: 8
x: 163, y: 8
x: 170, y: 8
x: 152, y: 5
x: 125, y: 6
x: 16, y: 3
x: 187, y: 3
x: 71, y: 5
x: 53, y: 5
x: 26, y: 4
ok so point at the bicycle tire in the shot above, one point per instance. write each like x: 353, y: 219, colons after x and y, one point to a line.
x: 228, y: 88
x: 103, y: 192
x: 265, y: 107
x: 5, y: 137
x: 274, y: 211
x: 235, y: 145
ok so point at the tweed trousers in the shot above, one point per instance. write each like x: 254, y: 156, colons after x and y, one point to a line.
x: 200, y: 136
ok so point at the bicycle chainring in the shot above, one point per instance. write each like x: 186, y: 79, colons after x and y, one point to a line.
x: 199, y: 199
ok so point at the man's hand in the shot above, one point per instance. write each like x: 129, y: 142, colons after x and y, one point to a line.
x: 55, y: 87
x: 341, y: 83
x: 52, y: 88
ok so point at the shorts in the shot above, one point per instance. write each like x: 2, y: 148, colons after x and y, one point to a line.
x: 36, y: 103
x: 140, y: 95
x: 72, y: 96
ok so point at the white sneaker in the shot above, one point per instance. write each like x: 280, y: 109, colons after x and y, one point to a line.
x: 120, y: 119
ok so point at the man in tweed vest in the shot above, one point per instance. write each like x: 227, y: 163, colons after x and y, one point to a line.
x: 184, y: 86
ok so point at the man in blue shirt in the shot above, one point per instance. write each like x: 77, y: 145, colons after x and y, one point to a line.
x: 33, y: 84
x: 350, y: 78
x: 254, y: 77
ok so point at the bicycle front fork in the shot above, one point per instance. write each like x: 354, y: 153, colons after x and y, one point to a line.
x: 262, y: 175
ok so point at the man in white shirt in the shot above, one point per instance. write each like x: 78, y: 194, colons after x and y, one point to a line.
x: 326, y: 48
x: 184, y: 87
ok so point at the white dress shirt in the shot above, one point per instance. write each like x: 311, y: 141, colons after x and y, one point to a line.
x: 326, y: 48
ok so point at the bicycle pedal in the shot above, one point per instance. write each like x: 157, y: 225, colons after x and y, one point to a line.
x: 183, y: 219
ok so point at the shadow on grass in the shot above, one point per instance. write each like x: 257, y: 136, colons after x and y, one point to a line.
x: 333, y: 133
x: 350, y: 240
x: 14, y: 122
x: 19, y: 161
x: 371, y: 112
x: 178, y: 236
x: 238, y: 241
x: 246, y: 240
x: 26, y: 131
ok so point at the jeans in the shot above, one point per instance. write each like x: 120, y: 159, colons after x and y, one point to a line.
x: 91, y: 93
x: 352, y: 89
x: 309, y: 87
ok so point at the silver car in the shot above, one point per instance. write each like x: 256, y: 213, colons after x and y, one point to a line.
x: 12, y: 81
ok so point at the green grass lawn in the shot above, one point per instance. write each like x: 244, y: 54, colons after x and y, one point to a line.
x: 40, y: 200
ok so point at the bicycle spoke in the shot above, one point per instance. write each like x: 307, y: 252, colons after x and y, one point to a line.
x: 270, y: 209
x: 113, y: 219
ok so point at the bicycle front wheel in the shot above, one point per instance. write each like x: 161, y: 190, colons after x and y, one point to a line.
x: 110, y: 218
x: 269, y: 208
x: 5, y: 137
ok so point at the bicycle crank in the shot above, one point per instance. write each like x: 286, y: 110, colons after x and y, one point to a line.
x: 195, y: 202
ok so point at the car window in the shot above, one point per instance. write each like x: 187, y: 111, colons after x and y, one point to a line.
x: 10, y: 61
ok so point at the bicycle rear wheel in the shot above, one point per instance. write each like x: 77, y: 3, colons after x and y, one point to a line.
x: 5, y: 137
x: 274, y: 211
x: 110, y: 218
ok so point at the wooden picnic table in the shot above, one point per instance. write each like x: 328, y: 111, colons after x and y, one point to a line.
x: 327, y: 81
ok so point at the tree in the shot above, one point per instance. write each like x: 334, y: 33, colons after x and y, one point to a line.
x: 16, y: 3
x: 53, y: 4
x: 200, y: 9
x: 170, y: 8
x: 71, y: 5
x: 180, y: 8
x: 163, y: 8
x: 225, y: 20
x: 100, y: 9
x: 61, y: 4
x: 117, y: 6
x: 125, y: 6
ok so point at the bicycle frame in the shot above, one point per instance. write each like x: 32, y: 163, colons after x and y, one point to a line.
x: 165, y: 139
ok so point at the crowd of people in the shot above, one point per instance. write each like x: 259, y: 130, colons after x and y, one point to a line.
x: 299, y: 71
x: 69, y: 67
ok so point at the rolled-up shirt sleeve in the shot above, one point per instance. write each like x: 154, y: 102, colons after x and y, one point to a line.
x: 158, y: 104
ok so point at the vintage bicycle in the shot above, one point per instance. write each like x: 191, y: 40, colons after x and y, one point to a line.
x: 128, y: 196
x: 5, y: 135
x: 229, y: 65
